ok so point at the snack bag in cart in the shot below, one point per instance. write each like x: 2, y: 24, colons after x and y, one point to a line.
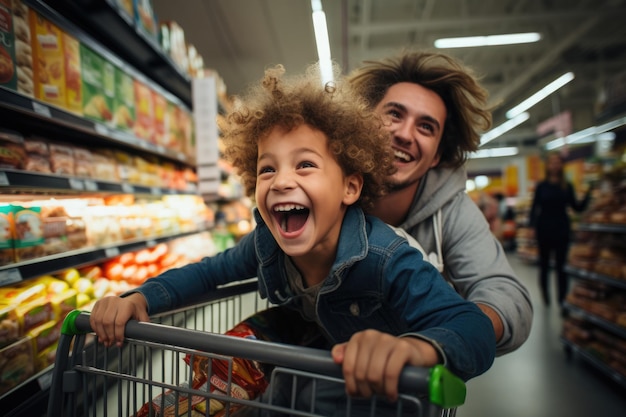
x: 246, y: 382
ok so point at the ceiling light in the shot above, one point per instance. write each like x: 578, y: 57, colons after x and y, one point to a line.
x: 495, y: 152
x: 503, y: 128
x: 491, y: 40
x: 540, y: 95
x: 588, y: 135
x: 321, y: 40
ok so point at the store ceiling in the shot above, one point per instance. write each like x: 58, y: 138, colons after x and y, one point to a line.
x: 239, y: 38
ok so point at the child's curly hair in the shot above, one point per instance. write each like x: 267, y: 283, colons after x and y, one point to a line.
x: 355, y: 133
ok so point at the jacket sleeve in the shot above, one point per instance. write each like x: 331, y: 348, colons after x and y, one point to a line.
x: 183, y: 286
x: 576, y: 205
x: 476, y: 264
x: 436, y: 313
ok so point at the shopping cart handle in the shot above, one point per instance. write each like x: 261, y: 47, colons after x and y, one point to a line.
x: 444, y: 388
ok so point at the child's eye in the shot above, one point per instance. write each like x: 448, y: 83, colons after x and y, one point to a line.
x: 306, y: 164
x: 265, y: 169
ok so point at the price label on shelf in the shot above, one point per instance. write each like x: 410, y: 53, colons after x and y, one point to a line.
x: 102, y: 129
x: 155, y: 191
x: 91, y: 185
x: 10, y: 276
x: 41, y: 109
x: 150, y: 243
x: 76, y: 184
x: 4, y: 180
x: 127, y: 188
x: 112, y: 252
x: 45, y: 380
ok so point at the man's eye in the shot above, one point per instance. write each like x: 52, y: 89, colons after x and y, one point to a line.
x: 427, y: 127
x: 264, y: 170
x: 307, y: 164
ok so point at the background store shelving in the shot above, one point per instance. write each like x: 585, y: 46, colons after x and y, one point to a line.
x: 105, y: 28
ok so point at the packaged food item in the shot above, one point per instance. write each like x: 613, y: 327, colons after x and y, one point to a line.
x: 145, y: 19
x: 46, y: 357
x: 124, y: 101
x: 28, y: 232
x: 12, y: 152
x: 23, y: 49
x: 144, y: 108
x: 7, y: 233
x: 16, y: 364
x: 62, y: 159
x: 36, y: 162
x: 48, y: 60
x: 9, y: 326
x: 83, y: 162
x: 73, y: 84
x: 8, y: 72
x: 34, y: 313
x: 44, y: 336
x: 160, y: 111
x: 96, y: 85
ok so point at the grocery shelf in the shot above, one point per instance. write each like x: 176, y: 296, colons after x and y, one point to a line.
x: 23, y: 112
x: 594, y: 361
x: 26, y: 180
x: 601, y: 227
x: 108, y: 26
x: 598, y: 321
x: 593, y: 276
x: 16, y: 272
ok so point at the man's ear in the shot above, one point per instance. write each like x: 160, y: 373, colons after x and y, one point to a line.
x: 436, y: 160
x: 353, y: 184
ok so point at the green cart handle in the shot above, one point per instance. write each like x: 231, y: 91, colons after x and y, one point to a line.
x: 445, y: 389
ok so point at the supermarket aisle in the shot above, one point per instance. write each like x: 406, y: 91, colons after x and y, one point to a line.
x: 538, y: 380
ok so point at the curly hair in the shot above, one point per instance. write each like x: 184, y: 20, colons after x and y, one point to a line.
x: 356, y: 136
x: 465, y: 99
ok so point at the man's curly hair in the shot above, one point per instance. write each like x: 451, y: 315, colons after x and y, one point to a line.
x: 356, y: 136
x: 465, y: 99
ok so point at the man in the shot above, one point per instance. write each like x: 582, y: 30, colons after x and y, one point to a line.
x: 435, y: 109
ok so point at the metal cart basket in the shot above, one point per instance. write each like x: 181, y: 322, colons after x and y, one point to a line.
x: 150, y: 374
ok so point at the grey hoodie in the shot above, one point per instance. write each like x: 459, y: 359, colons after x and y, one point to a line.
x: 473, y: 259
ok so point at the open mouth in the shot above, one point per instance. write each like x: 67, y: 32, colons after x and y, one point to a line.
x: 402, y: 156
x: 291, y: 217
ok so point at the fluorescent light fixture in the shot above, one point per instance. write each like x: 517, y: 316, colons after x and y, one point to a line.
x: 540, y: 95
x: 491, y: 40
x: 503, y: 128
x: 495, y: 152
x: 321, y: 40
x: 588, y: 135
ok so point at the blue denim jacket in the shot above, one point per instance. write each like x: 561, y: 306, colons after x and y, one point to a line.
x: 377, y: 282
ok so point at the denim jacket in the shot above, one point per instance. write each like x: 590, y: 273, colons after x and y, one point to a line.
x: 377, y: 282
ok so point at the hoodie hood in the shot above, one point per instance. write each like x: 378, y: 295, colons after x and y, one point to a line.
x: 436, y: 188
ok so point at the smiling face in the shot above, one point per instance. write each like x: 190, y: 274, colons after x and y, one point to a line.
x: 415, y: 116
x: 302, y: 192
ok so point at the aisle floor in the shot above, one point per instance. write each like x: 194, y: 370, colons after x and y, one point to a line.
x: 539, y: 379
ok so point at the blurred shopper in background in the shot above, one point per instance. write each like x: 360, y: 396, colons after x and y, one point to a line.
x: 551, y: 222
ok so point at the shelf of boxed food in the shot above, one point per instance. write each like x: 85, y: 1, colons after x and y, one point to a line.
x: 29, y: 114
x: 130, y: 34
x: 596, y: 320
x: 594, y: 276
x: 31, y: 312
x: 38, y: 235
x: 62, y: 79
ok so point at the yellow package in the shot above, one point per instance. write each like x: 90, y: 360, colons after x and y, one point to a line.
x: 44, y: 335
x: 34, y: 313
x: 48, y: 60
x: 63, y: 303
x: 9, y: 326
x: 73, y: 85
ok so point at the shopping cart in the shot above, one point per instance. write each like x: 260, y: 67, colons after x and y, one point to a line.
x: 150, y: 372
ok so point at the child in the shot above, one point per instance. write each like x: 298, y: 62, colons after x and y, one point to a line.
x: 313, y: 157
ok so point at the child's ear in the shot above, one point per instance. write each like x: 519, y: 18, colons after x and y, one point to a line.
x: 353, y: 185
